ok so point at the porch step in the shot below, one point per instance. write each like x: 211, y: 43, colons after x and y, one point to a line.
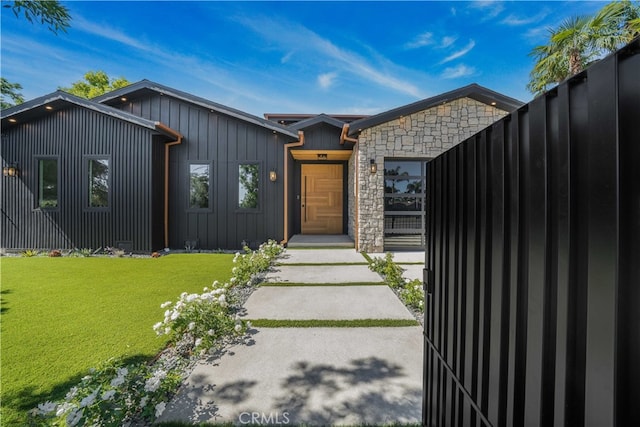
x: 320, y: 241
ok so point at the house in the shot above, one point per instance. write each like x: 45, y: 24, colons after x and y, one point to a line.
x: 148, y: 167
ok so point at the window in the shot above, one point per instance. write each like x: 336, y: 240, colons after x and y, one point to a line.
x: 199, y: 186
x: 98, y: 183
x: 48, y: 183
x: 404, y: 197
x: 248, y: 185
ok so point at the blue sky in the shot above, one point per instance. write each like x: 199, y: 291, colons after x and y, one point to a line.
x: 290, y: 57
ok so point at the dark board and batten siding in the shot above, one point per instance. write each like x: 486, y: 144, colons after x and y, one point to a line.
x: 533, y: 268
x: 323, y: 136
x: 223, y: 142
x: 70, y: 136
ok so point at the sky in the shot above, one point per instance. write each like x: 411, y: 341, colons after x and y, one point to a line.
x: 261, y: 57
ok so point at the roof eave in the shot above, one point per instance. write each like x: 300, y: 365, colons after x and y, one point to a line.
x: 473, y: 91
x: 320, y: 118
x: 68, y: 98
x: 196, y: 100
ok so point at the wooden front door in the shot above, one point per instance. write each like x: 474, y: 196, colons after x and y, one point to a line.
x: 321, y: 199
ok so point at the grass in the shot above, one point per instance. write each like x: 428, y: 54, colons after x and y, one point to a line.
x: 321, y: 323
x: 62, y: 316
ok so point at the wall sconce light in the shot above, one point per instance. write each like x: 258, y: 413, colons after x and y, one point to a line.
x: 273, y: 176
x: 10, y: 170
x: 373, y: 168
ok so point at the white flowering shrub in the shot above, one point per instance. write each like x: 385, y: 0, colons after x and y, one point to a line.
x: 249, y: 264
x: 112, y: 395
x: 115, y: 395
x: 409, y: 291
x: 391, y: 271
x: 412, y: 293
x: 200, y: 319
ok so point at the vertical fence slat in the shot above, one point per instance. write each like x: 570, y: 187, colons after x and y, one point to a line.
x: 602, y: 257
x: 628, y: 323
x: 497, y: 279
x: 560, y: 155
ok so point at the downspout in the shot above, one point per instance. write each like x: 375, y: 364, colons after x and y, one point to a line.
x: 344, y: 135
x: 298, y: 143
x: 178, y: 140
x: 356, y: 231
x: 343, y: 138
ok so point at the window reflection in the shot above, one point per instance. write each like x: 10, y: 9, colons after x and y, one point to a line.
x: 48, y: 183
x: 98, y: 183
x: 248, y: 186
x: 198, y: 186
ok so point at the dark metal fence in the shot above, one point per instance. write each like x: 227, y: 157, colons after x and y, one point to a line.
x: 533, y: 261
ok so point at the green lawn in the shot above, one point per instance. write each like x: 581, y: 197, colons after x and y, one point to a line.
x: 62, y: 316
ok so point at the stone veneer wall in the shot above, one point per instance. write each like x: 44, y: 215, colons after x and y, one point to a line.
x: 424, y: 134
x: 351, y: 194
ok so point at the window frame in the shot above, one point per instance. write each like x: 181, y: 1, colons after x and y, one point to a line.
x: 210, y: 165
x: 38, y: 159
x: 259, y: 208
x: 86, y: 159
x: 421, y: 197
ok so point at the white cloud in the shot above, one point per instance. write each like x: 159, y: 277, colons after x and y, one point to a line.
x: 226, y: 79
x: 459, y: 53
x: 448, y: 41
x: 514, y: 20
x: 109, y: 33
x: 491, y: 8
x: 537, y: 34
x: 428, y: 39
x: 297, y: 37
x: 37, y: 72
x: 286, y: 57
x: 419, y: 41
x: 326, y: 80
x: 458, y: 71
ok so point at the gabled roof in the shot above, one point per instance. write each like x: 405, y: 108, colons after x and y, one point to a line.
x: 473, y: 91
x: 58, y: 100
x: 145, y: 86
x: 289, y: 119
x: 320, y: 118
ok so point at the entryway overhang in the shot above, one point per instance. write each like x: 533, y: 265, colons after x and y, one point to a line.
x: 321, y: 155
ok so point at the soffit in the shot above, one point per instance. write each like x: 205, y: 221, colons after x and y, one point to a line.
x: 321, y: 155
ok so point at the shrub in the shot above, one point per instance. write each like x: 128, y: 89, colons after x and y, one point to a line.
x: 250, y: 264
x: 118, y: 252
x: 391, y: 271
x: 84, y: 252
x: 409, y: 291
x: 412, y: 293
x: 113, y: 394
x: 200, y: 320
x: 29, y: 253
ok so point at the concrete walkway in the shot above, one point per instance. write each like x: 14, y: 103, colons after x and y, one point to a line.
x: 319, y: 375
